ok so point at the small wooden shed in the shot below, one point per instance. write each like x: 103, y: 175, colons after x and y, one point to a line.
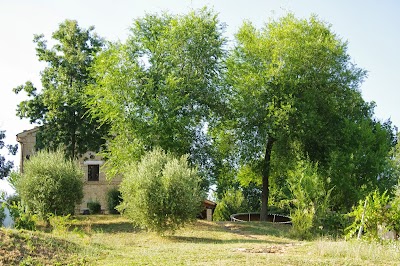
x: 208, y: 210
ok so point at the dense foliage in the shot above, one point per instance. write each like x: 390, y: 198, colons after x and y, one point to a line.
x: 292, y: 84
x: 60, y: 105
x: 2, y: 214
x: 232, y: 202
x: 94, y: 207
x: 161, y: 193
x: 309, y: 199
x: 50, y: 183
x: 22, y: 218
x: 376, y: 215
x: 6, y: 166
x: 113, y: 200
x: 278, y: 119
x: 161, y: 88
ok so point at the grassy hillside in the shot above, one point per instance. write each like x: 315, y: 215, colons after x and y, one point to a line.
x: 35, y: 248
x: 111, y: 240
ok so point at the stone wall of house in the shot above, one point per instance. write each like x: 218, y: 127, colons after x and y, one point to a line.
x: 95, y: 190
x: 92, y: 190
x: 27, y: 140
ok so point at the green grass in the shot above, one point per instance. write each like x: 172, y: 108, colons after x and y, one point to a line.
x: 112, y: 240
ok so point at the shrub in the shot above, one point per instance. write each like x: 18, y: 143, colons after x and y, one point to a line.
x: 334, y: 224
x: 22, y: 218
x: 232, y: 202
x: 310, y: 199
x: 50, y: 184
x: 94, y: 207
x: 302, y: 222
x: 113, y: 200
x: 60, y: 224
x: 13, y: 199
x: 161, y: 193
x: 2, y: 214
x: 376, y: 210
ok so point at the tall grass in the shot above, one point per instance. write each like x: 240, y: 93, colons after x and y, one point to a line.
x: 369, y: 253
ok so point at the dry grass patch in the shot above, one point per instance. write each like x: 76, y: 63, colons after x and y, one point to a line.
x: 35, y: 248
x: 358, y: 252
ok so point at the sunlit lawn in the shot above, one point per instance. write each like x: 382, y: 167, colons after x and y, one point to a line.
x: 112, y: 240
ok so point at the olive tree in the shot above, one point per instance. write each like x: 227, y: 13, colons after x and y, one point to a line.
x: 161, y: 193
x: 50, y: 183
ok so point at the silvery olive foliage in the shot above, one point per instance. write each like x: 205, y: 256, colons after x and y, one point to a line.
x: 161, y: 193
x: 50, y: 183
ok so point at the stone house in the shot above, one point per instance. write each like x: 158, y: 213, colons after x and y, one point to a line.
x: 95, y: 185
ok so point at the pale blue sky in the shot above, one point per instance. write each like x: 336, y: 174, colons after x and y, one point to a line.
x: 371, y: 28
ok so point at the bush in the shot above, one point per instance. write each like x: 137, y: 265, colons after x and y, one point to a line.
x: 13, y: 199
x: 94, y: 207
x: 50, y: 184
x: 161, y: 193
x: 113, y: 200
x: 334, y: 224
x: 22, y: 219
x: 232, y: 202
x: 302, y: 222
x: 2, y: 214
x: 376, y: 210
x: 60, y: 224
x: 309, y: 199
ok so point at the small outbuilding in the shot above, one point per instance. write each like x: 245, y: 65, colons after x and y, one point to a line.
x: 208, y: 210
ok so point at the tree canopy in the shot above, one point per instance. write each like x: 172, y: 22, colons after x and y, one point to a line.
x: 60, y: 105
x: 293, y: 81
x: 161, y: 87
x: 280, y: 111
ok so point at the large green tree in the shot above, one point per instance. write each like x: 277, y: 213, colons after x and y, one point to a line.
x: 292, y: 81
x: 60, y: 105
x: 161, y: 87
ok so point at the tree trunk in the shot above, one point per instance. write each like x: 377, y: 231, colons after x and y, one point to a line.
x: 73, y: 144
x: 72, y: 128
x: 265, y: 180
x: 73, y: 114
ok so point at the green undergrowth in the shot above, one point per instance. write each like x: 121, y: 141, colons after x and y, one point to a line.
x: 112, y: 240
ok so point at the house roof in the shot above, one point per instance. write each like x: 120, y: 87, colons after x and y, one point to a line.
x: 24, y: 133
x: 209, y: 203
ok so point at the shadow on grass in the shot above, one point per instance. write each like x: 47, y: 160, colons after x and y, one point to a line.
x: 122, y: 227
x: 102, y: 223
x: 110, y: 228
x: 254, y: 228
x: 234, y: 232
x: 265, y: 228
x: 206, y: 240
x: 248, y: 231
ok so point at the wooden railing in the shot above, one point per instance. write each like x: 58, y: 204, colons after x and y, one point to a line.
x: 255, y: 216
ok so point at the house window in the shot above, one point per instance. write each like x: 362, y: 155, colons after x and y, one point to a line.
x: 93, y: 172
